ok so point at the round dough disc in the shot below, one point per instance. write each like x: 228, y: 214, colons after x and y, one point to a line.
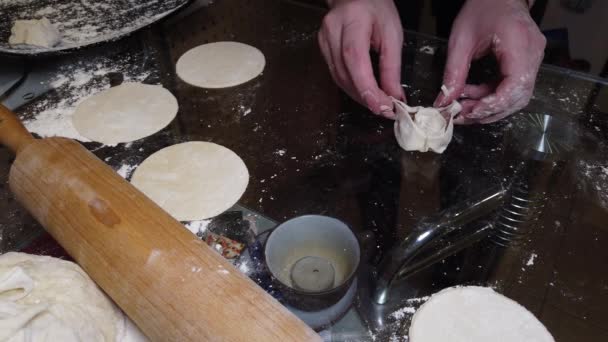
x: 220, y: 65
x: 475, y: 314
x: 194, y: 180
x: 125, y: 113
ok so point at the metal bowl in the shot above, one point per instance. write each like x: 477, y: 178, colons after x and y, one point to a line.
x: 313, y: 260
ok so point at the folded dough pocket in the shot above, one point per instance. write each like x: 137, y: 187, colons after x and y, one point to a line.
x: 424, y: 128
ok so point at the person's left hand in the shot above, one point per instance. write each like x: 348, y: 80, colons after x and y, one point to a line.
x: 505, y: 28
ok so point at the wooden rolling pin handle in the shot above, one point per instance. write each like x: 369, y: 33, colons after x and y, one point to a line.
x: 12, y: 132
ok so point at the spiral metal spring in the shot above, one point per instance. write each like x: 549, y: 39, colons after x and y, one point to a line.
x: 518, y: 215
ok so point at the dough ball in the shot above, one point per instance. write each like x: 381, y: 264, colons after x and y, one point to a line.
x: 34, y: 32
x: 475, y: 314
x: 428, y: 130
x: 125, y: 113
x: 48, y: 299
x: 220, y: 65
x: 193, y: 180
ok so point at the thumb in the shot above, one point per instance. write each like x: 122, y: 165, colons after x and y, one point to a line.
x: 460, y: 52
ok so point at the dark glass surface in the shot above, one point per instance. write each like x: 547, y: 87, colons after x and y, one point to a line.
x: 311, y: 150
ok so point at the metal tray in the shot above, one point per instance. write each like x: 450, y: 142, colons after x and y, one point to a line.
x: 82, y: 23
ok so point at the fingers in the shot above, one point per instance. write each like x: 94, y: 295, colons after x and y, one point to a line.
x: 356, y: 40
x: 519, y: 67
x: 460, y: 51
x: 334, y: 62
x: 390, y: 64
x: 477, y: 92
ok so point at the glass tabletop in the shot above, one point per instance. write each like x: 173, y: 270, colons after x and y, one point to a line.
x: 311, y: 150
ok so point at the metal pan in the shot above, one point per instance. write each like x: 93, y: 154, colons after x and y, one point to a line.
x: 82, y: 22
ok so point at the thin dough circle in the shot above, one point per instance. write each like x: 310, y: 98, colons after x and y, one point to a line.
x: 220, y: 65
x: 194, y: 180
x: 475, y: 314
x: 125, y: 113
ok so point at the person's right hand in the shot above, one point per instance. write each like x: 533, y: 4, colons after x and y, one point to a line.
x: 348, y: 32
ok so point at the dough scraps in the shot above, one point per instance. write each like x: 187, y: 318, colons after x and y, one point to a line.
x: 220, y: 65
x: 34, y: 32
x: 428, y: 129
x: 193, y: 180
x: 48, y: 299
x: 475, y: 314
x: 125, y: 113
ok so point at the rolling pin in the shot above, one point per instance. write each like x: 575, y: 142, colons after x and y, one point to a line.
x: 171, y: 284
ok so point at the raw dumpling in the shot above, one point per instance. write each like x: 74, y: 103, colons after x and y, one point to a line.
x: 424, y: 128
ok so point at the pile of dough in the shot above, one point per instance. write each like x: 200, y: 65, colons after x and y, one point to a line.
x: 35, y: 32
x: 220, y: 65
x: 194, y: 180
x: 475, y: 314
x: 48, y: 299
x: 428, y: 129
x: 125, y: 113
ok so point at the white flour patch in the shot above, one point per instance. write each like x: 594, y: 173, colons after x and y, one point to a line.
x: 198, y: 227
x: 594, y: 179
x: 244, y: 267
x: 73, y: 83
x: 280, y: 152
x: 533, y: 257
x: 125, y: 170
x: 409, y: 309
x: 401, y: 313
x: 428, y: 49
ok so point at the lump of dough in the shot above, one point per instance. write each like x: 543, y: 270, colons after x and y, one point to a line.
x: 34, y: 32
x: 475, y: 314
x: 423, y: 129
x: 48, y: 299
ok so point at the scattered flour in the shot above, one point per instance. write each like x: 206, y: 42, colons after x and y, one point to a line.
x: 530, y: 262
x: 428, y: 49
x: 594, y: 180
x: 73, y: 84
x: 401, y: 313
x: 244, y: 267
x: 410, y: 309
x: 198, y: 227
x: 125, y: 170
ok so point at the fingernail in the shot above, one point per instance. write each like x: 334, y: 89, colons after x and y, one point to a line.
x: 370, y: 100
x: 385, y: 108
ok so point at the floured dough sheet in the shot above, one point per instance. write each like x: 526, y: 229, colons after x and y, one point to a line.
x: 475, y: 314
x: 424, y: 128
x: 220, y: 65
x: 34, y: 32
x: 125, y: 113
x: 194, y: 180
x: 48, y: 299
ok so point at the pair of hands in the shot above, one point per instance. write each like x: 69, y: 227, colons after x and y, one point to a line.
x: 501, y: 27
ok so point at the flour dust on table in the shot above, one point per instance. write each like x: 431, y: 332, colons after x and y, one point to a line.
x: 475, y: 314
x: 193, y: 180
x: 125, y: 113
x: 46, y: 299
x: 220, y: 65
